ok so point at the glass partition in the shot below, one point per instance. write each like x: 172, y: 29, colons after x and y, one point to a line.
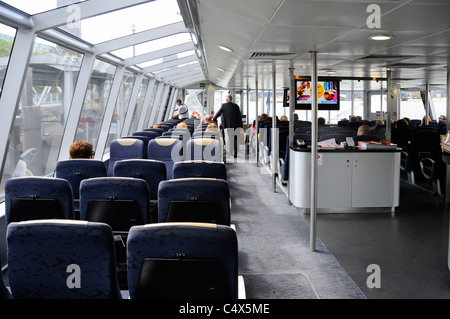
x: 120, y: 109
x: 39, y: 123
x: 139, y: 105
x: 95, y: 101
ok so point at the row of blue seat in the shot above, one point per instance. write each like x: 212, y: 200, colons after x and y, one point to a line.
x: 66, y: 259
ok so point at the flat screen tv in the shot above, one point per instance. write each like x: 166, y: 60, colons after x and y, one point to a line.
x: 327, y: 94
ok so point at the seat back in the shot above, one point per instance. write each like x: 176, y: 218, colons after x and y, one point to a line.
x: 124, y: 148
x: 182, y: 260
x: 75, y: 170
x: 208, y: 169
x: 159, y: 131
x: 149, y: 134
x: 34, y: 197
x: 144, y: 139
x: 209, y: 149
x: 61, y: 259
x: 201, y: 190
x: 167, y: 150
x: 152, y: 171
x: 115, y: 199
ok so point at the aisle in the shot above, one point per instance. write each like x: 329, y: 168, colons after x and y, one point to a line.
x: 274, y: 254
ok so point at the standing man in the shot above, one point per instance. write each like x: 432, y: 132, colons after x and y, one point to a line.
x: 181, y: 110
x: 231, y: 120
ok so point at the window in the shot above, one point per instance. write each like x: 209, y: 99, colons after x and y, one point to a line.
x: 44, y: 104
x: 95, y: 102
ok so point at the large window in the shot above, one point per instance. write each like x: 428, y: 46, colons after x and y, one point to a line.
x: 139, y: 104
x: 95, y: 102
x: 39, y: 124
x: 120, y: 109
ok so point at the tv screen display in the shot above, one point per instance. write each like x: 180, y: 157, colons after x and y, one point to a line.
x: 327, y: 94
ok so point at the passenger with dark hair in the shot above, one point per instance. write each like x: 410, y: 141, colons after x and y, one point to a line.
x: 81, y: 149
x: 321, y: 121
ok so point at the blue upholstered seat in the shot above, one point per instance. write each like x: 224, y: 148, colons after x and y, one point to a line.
x: 61, y: 259
x: 119, y: 189
x: 204, y: 199
x: 152, y: 171
x: 75, y: 170
x: 155, y: 251
x: 126, y: 148
x: 4, y: 291
x: 167, y: 150
x: 150, y: 134
x: 49, y: 197
x: 207, y: 169
x: 209, y: 149
x: 144, y: 139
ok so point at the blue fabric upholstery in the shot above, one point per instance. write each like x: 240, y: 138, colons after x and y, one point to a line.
x: 75, y: 170
x: 167, y: 150
x: 41, y: 188
x: 191, y: 240
x: 209, y: 149
x: 40, y: 253
x: 193, y: 189
x: 152, y: 171
x: 120, y: 188
x: 207, y: 169
x: 159, y: 131
x: 150, y: 134
x: 126, y: 148
x: 144, y: 139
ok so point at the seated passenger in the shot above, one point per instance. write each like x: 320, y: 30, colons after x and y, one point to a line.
x: 81, y: 149
x: 157, y: 126
x: 284, y: 118
x: 364, y: 134
x: 208, y: 119
x: 321, y: 121
x: 182, y: 125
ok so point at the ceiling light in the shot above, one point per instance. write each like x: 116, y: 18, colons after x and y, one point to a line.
x: 220, y: 69
x: 380, y: 37
x: 225, y: 48
x: 330, y: 71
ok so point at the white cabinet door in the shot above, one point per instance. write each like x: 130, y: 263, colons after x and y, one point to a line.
x: 372, y: 179
x: 334, y: 180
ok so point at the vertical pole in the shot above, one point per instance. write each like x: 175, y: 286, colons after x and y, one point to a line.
x: 427, y: 103
x: 389, y: 105
x: 274, y: 134
x: 292, y: 100
x: 257, y: 123
x: 247, y: 112
x: 313, y: 209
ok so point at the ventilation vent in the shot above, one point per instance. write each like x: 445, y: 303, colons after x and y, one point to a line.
x: 411, y: 65
x: 272, y: 56
x: 385, y: 58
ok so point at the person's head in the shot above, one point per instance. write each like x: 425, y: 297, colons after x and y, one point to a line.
x: 179, y: 102
x: 81, y: 149
x: 363, y: 130
x: 407, y: 120
x: 379, y: 122
x: 157, y: 126
x: 321, y: 121
x: 263, y: 117
x: 353, y: 119
x: 207, y: 119
x: 442, y: 118
x: 401, y: 123
x: 424, y: 119
x: 229, y: 98
x: 358, y: 118
x: 182, y: 125
x: 284, y: 118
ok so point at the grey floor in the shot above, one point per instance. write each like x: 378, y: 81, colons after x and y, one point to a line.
x: 410, y: 247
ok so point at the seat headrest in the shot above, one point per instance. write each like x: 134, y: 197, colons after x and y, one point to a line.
x: 203, y: 141
x: 165, y: 141
x: 171, y: 224
x: 126, y: 141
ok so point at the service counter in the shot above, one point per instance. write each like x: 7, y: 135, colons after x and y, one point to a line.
x: 346, y: 179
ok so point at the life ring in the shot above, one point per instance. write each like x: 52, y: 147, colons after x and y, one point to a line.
x: 197, y: 115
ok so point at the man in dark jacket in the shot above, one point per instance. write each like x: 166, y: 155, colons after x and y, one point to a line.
x: 231, y: 120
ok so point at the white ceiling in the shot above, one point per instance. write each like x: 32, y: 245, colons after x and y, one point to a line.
x: 336, y: 30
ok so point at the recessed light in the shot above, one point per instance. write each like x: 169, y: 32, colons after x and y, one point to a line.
x: 225, y: 48
x: 330, y: 71
x: 220, y: 69
x: 380, y: 37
